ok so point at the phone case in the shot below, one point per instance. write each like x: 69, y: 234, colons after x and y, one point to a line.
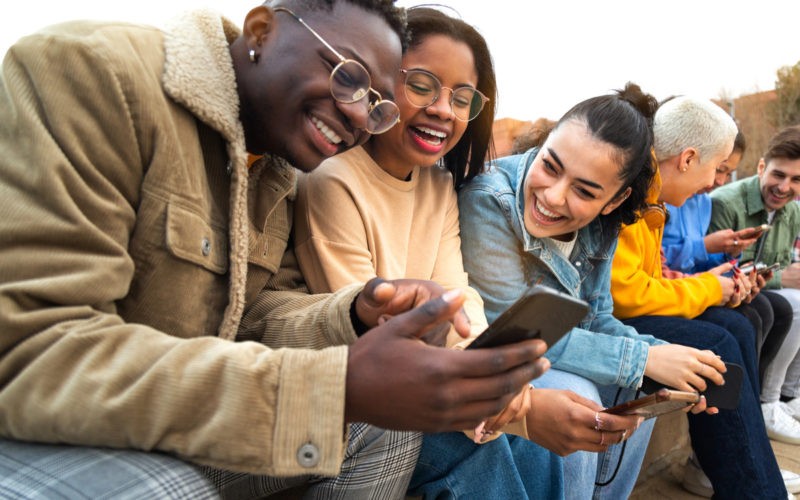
x: 542, y: 312
x: 660, y: 402
x: 725, y: 397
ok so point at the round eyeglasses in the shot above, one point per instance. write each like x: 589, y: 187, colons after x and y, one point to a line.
x: 422, y: 89
x: 350, y: 82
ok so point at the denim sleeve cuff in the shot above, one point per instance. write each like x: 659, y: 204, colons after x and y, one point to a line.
x: 634, y: 361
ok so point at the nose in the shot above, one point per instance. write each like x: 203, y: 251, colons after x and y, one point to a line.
x: 556, y: 194
x: 441, y: 107
x: 356, y: 112
x: 785, y: 185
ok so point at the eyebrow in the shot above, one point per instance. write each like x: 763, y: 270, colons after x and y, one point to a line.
x: 583, y: 181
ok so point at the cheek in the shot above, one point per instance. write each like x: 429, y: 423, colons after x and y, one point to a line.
x: 585, y: 210
x: 458, y: 132
x: 535, y: 179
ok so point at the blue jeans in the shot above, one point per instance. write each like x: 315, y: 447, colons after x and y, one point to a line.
x: 451, y: 466
x: 583, y: 469
x: 732, y: 446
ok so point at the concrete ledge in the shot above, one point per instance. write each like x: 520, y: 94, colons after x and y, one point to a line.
x: 669, y: 445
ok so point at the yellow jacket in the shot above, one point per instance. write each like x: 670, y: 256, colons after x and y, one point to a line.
x: 637, y: 285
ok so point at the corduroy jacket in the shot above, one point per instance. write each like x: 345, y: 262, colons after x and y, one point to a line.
x: 135, y: 245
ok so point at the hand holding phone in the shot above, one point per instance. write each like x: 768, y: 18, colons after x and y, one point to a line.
x: 753, y: 232
x: 542, y: 312
x: 660, y: 402
x: 724, y: 397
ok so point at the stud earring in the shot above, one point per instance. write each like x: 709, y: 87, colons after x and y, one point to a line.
x: 253, y: 57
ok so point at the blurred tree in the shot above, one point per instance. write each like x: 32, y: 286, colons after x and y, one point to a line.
x: 785, y: 110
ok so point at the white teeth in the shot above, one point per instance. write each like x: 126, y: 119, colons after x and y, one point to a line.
x: 780, y: 195
x: 435, y: 133
x: 327, y: 132
x: 545, y: 211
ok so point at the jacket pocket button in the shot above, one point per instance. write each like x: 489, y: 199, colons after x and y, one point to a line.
x: 308, y: 455
x: 205, y: 247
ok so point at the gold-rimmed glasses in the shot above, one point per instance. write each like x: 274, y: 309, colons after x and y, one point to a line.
x: 350, y: 82
x: 422, y: 89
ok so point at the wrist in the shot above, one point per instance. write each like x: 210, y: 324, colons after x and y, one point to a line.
x: 358, y: 326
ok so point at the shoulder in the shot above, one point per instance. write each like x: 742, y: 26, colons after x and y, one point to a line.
x: 726, y: 193
x: 503, y: 175
x: 91, y: 47
x: 342, y: 168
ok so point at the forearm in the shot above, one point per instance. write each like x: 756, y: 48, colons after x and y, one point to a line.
x: 623, y: 359
x: 101, y: 382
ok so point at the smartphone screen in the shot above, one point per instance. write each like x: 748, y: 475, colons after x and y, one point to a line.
x: 542, y: 312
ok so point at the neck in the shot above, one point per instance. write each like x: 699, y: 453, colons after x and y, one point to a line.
x: 388, y: 162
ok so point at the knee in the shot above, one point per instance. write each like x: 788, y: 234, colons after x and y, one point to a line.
x: 557, y: 379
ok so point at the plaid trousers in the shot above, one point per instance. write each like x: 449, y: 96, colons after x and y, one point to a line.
x: 377, y: 465
x: 32, y: 471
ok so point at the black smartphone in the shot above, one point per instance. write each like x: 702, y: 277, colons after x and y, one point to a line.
x: 724, y: 397
x: 542, y: 313
x: 660, y: 402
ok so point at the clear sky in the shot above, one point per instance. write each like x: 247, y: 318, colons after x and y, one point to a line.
x: 551, y: 54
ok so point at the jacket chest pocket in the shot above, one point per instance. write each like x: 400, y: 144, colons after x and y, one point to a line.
x: 191, y: 238
x: 180, y: 283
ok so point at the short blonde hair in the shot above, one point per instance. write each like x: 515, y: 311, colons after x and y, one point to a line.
x: 688, y: 122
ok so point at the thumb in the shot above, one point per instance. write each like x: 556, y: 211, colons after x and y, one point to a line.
x: 377, y: 292
x: 417, y: 321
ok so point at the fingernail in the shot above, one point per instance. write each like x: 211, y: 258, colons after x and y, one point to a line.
x: 452, y: 295
x: 732, y: 262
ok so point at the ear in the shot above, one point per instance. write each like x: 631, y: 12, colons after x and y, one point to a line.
x: 761, y: 167
x: 616, y: 202
x: 257, y: 25
x: 686, y: 157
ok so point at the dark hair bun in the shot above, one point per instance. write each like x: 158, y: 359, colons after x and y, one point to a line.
x: 645, y: 103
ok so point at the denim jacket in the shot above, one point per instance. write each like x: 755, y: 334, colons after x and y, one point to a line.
x: 503, y: 259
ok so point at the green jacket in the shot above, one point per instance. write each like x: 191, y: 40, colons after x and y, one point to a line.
x: 134, y: 248
x: 739, y: 205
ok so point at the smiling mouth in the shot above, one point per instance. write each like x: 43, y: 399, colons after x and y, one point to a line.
x: 432, y: 137
x: 544, y: 215
x: 329, y: 134
x: 779, y: 195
